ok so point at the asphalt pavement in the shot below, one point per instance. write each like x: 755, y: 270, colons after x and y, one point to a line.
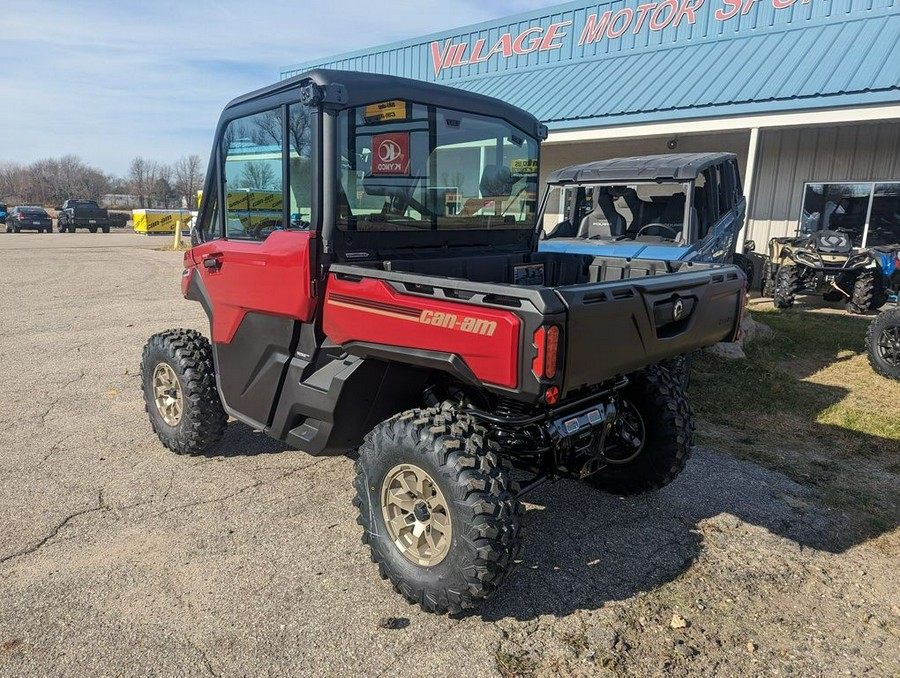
x: 118, y: 557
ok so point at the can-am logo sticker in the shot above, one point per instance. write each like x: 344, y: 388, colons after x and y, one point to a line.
x: 391, y: 154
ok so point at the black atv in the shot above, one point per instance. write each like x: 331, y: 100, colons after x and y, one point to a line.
x: 823, y: 263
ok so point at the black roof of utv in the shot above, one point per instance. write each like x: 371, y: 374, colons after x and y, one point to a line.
x: 345, y: 89
x: 674, y: 166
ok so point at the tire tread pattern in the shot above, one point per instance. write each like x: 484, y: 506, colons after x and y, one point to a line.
x: 670, y: 418
x: 203, y: 419
x: 484, y: 503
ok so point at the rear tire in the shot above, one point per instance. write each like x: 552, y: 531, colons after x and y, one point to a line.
x: 883, y: 344
x: 180, y: 393
x: 477, y: 531
x: 666, y: 421
x: 680, y: 367
x: 106, y: 229
x: 868, y: 292
x: 787, y: 282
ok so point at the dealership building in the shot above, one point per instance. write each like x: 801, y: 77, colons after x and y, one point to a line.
x: 805, y: 92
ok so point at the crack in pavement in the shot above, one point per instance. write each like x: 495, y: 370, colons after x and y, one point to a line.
x: 55, y: 530
x: 72, y: 381
x: 231, y: 495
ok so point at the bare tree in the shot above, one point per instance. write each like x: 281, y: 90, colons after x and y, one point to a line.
x: 139, y: 178
x: 188, y: 178
x: 257, y: 176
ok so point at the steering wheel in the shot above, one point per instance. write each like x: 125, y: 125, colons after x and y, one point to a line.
x: 657, y: 226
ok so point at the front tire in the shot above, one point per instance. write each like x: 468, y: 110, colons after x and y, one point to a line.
x: 868, y: 292
x: 180, y: 393
x: 883, y: 344
x: 787, y: 282
x: 438, y: 508
x: 651, y: 438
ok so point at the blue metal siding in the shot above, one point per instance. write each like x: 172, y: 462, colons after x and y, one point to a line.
x: 814, y: 54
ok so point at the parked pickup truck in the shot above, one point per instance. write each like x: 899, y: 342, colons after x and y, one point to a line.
x: 82, y: 214
x: 685, y: 206
x: 407, y: 314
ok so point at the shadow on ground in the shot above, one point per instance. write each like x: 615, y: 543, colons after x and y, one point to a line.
x: 585, y: 548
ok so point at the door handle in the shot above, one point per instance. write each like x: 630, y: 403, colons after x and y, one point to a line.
x: 213, y: 262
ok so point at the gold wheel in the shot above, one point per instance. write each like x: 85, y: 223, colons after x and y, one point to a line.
x: 167, y: 394
x: 416, y: 515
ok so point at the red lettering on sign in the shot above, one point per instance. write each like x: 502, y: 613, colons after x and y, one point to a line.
x: 669, y: 7
x: 476, y: 57
x: 457, y: 59
x: 390, y: 154
x: 643, y: 10
x: 439, y: 56
x: 594, y: 30
x: 502, y: 46
x: 734, y: 6
x: 626, y: 14
x: 554, y: 32
x: 653, y: 16
x: 688, y: 11
x: 532, y: 46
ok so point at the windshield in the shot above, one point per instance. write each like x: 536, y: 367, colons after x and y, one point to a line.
x: 406, y: 166
x: 37, y: 211
x: 619, y: 211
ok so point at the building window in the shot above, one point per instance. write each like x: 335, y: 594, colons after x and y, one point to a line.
x: 869, y: 212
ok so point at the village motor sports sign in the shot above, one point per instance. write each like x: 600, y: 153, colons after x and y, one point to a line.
x: 608, y: 25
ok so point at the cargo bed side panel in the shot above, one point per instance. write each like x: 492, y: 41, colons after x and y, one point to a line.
x: 618, y: 327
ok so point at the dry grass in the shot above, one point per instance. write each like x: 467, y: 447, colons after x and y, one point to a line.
x: 806, y: 403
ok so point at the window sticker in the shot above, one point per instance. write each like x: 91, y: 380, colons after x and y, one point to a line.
x: 524, y: 166
x: 386, y: 111
x: 391, y: 154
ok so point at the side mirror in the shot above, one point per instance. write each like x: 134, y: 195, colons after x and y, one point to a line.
x: 749, y: 245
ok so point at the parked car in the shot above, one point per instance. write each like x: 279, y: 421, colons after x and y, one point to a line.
x: 28, y: 218
x: 3, y: 213
x: 82, y: 214
x: 676, y: 206
x: 433, y: 339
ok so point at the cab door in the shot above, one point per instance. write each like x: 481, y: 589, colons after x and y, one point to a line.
x: 726, y: 214
x: 254, y: 267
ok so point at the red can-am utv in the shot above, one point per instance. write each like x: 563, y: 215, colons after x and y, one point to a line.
x: 367, y: 254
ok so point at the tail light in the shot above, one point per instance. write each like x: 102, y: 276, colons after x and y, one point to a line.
x: 546, y: 341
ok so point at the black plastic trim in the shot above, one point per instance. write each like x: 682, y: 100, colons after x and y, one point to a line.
x: 433, y: 360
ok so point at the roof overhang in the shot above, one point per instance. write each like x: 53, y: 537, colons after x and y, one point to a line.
x: 822, y: 117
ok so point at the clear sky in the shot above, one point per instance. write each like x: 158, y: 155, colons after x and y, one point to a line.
x: 109, y: 80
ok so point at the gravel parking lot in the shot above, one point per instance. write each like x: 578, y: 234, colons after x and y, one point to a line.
x: 120, y: 558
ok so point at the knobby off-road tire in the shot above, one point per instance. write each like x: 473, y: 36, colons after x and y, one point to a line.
x: 883, y: 344
x: 177, y: 367
x: 787, y: 282
x: 868, y: 293
x: 667, y: 423
x: 680, y: 367
x: 470, y: 496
